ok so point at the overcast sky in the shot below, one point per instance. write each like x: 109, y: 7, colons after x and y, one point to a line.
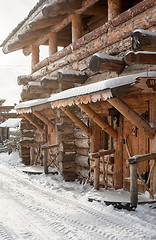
x: 13, y: 64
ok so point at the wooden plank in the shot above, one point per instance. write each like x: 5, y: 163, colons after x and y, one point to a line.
x: 76, y: 120
x: 10, y: 115
x: 140, y: 58
x: 132, y: 116
x: 96, y: 118
x: 143, y: 40
x: 102, y: 153
x: 104, y: 62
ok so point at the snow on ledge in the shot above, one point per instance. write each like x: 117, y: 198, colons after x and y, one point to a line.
x: 11, y: 123
x: 31, y: 103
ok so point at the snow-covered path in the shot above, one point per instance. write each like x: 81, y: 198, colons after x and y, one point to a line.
x: 40, y: 207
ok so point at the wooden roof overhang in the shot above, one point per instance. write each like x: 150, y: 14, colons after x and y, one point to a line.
x: 111, y: 91
x: 37, y: 108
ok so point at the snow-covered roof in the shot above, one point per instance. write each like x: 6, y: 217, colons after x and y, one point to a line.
x: 31, y: 103
x: 93, y: 92
x: 11, y: 123
x: 98, y: 91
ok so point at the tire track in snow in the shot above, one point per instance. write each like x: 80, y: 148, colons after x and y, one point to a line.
x: 103, y: 230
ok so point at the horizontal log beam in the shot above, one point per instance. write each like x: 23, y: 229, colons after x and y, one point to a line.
x: 102, y: 153
x: 44, y: 119
x: 132, y: 116
x: 140, y: 58
x: 104, y: 62
x: 49, y: 82
x: 6, y: 108
x: 32, y: 121
x: 76, y: 120
x: 10, y: 115
x: 141, y: 158
x: 71, y: 76
x: 96, y: 118
x: 24, y: 79
x: 62, y: 7
x: 29, y: 35
x: 143, y: 40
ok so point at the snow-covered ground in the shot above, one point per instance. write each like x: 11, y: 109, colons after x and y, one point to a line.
x: 45, y: 207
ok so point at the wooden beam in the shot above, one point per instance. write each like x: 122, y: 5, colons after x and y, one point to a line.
x: 132, y: 116
x: 141, y: 158
x: 32, y: 120
x: 96, y: 118
x: 140, y: 58
x: 9, y: 115
x: 35, y: 55
x: 114, y: 9
x: 44, y: 119
x: 102, y: 153
x: 76, y: 27
x: 24, y: 79
x: 76, y: 120
x: 104, y: 62
x: 52, y: 43
x: 71, y: 76
x: 143, y: 40
x: 27, y: 35
x: 49, y: 82
x: 62, y: 7
x: 7, y: 108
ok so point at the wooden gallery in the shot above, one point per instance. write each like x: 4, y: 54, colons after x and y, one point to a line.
x: 89, y: 108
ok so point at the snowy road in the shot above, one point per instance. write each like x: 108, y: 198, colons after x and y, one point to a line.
x: 41, y: 208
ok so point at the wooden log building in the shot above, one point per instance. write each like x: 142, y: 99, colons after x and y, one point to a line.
x: 92, y: 103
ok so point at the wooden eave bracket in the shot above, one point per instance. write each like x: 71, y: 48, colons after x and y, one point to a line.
x: 31, y: 120
x: 96, y: 118
x: 76, y: 120
x: 132, y: 116
x: 44, y: 119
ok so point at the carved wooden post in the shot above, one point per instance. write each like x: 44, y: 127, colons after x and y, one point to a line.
x: 52, y: 43
x: 114, y: 9
x: 45, y: 160
x: 35, y: 55
x: 76, y: 27
x: 133, y: 185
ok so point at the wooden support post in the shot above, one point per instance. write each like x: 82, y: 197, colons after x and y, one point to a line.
x: 35, y: 55
x: 31, y: 120
x: 76, y: 27
x: 45, y: 158
x: 132, y: 116
x: 152, y: 111
x: 143, y: 40
x: 104, y: 62
x: 32, y: 155
x: 97, y: 173
x: 52, y: 43
x: 96, y: 118
x: 45, y: 120
x: 76, y: 120
x: 133, y: 185
x: 114, y: 9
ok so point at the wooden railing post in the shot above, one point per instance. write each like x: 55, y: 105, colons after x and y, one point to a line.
x: 45, y: 158
x: 97, y: 173
x: 133, y: 185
